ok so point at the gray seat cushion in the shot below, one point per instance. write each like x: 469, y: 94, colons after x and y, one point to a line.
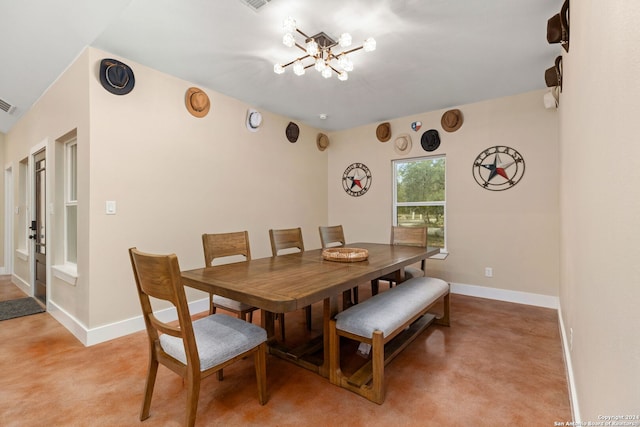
x: 230, y: 303
x: 218, y: 337
x: 389, y: 310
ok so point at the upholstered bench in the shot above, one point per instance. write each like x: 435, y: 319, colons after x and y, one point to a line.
x: 388, y: 321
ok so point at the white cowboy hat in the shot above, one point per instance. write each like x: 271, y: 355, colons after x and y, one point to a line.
x: 402, y: 144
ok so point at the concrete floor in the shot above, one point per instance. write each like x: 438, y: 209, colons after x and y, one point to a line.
x: 498, y: 364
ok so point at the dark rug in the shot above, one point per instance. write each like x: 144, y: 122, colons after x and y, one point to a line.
x: 19, y: 307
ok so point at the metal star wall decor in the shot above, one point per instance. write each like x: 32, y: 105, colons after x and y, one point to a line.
x: 498, y: 168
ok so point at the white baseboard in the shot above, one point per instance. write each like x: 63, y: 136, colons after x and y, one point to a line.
x: 128, y: 326
x: 573, y: 394
x: 518, y: 297
x: 19, y: 282
x: 103, y: 333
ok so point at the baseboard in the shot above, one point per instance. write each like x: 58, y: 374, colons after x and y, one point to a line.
x: 103, y: 333
x: 573, y: 395
x: 24, y: 286
x: 518, y: 297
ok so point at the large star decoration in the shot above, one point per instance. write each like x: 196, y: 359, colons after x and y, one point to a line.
x: 356, y: 180
x: 498, y: 168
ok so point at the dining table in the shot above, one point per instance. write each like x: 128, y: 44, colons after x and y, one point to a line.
x: 286, y: 283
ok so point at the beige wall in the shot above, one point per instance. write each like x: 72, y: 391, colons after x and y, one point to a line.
x: 600, y: 279
x: 172, y: 175
x: 514, y: 231
x: 175, y: 177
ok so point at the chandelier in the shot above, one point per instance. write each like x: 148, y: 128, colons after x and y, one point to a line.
x: 319, y: 49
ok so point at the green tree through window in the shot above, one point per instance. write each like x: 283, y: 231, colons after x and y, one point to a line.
x: 420, y: 198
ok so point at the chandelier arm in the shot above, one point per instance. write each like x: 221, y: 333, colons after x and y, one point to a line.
x: 297, y: 59
x: 334, y: 70
x: 303, y: 34
x: 304, y: 49
x: 351, y: 50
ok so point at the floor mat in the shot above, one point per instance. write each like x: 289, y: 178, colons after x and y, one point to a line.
x: 19, y: 307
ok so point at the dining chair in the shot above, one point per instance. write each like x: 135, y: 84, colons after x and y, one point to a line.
x: 408, y: 236
x: 191, y: 349
x: 333, y: 237
x: 283, y: 239
x: 224, y: 245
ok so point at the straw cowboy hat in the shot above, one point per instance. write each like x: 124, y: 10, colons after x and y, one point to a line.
x: 197, y: 102
x: 322, y: 141
x: 254, y: 120
x: 451, y: 120
x: 402, y: 144
x: 383, y: 132
x: 116, y: 77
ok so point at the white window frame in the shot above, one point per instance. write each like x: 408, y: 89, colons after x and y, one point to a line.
x: 443, y: 251
x: 68, y: 200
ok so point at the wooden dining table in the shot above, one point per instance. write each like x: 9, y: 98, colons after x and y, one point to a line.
x: 289, y: 282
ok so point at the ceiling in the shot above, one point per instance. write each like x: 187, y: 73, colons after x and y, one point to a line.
x: 431, y: 54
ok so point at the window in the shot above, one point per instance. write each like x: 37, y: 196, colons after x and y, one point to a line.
x: 71, y: 202
x: 420, y: 196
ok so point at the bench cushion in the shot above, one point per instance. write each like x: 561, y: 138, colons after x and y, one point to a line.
x: 389, y: 310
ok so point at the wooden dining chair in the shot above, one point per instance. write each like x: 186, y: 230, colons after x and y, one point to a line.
x: 223, y: 245
x: 408, y: 236
x: 283, y: 239
x: 333, y: 237
x: 193, y: 350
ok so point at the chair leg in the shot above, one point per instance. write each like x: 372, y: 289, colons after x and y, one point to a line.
x: 375, y: 286
x: 193, y: 393
x: 212, y: 309
x: 355, y: 295
x: 307, y: 311
x: 280, y: 317
x: 148, y: 390
x: 250, y: 315
x: 260, y: 358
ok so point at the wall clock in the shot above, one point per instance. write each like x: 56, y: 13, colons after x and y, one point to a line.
x: 356, y: 179
x: 498, y: 168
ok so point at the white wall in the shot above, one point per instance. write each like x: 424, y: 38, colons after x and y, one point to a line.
x: 600, y: 193
x: 516, y: 232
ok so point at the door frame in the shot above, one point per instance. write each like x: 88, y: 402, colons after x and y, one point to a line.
x: 9, y: 219
x: 31, y: 212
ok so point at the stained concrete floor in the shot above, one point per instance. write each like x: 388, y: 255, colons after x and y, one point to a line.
x: 499, y: 364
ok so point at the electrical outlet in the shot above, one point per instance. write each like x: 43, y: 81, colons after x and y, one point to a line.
x: 488, y: 272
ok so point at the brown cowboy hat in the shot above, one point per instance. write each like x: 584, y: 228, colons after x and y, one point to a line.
x: 383, y: 132
x: 451, y: 120
x: 197, y: 102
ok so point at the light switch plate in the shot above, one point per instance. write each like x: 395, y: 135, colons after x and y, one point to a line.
x: 110, y: 207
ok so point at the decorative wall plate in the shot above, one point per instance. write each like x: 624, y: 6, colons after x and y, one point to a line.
x: 356, y: 179
x: 498, y: 168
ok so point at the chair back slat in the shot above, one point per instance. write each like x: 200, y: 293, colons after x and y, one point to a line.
x: 221, y: 245
x: 286, y: 239
x: 331, y: 236
x: 158, y: 276
x: 409, y: 236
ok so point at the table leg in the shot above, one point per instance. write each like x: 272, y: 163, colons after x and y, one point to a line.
x: 329, y: 309
x: 267, y: 320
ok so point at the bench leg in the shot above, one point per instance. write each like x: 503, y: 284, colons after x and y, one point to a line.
x: 377, y: 360
x: 335, y: 373
x: 445, y: 320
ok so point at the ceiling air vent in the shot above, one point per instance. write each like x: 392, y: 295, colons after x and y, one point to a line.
x: 255, y: 4
x: 6, y: 107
